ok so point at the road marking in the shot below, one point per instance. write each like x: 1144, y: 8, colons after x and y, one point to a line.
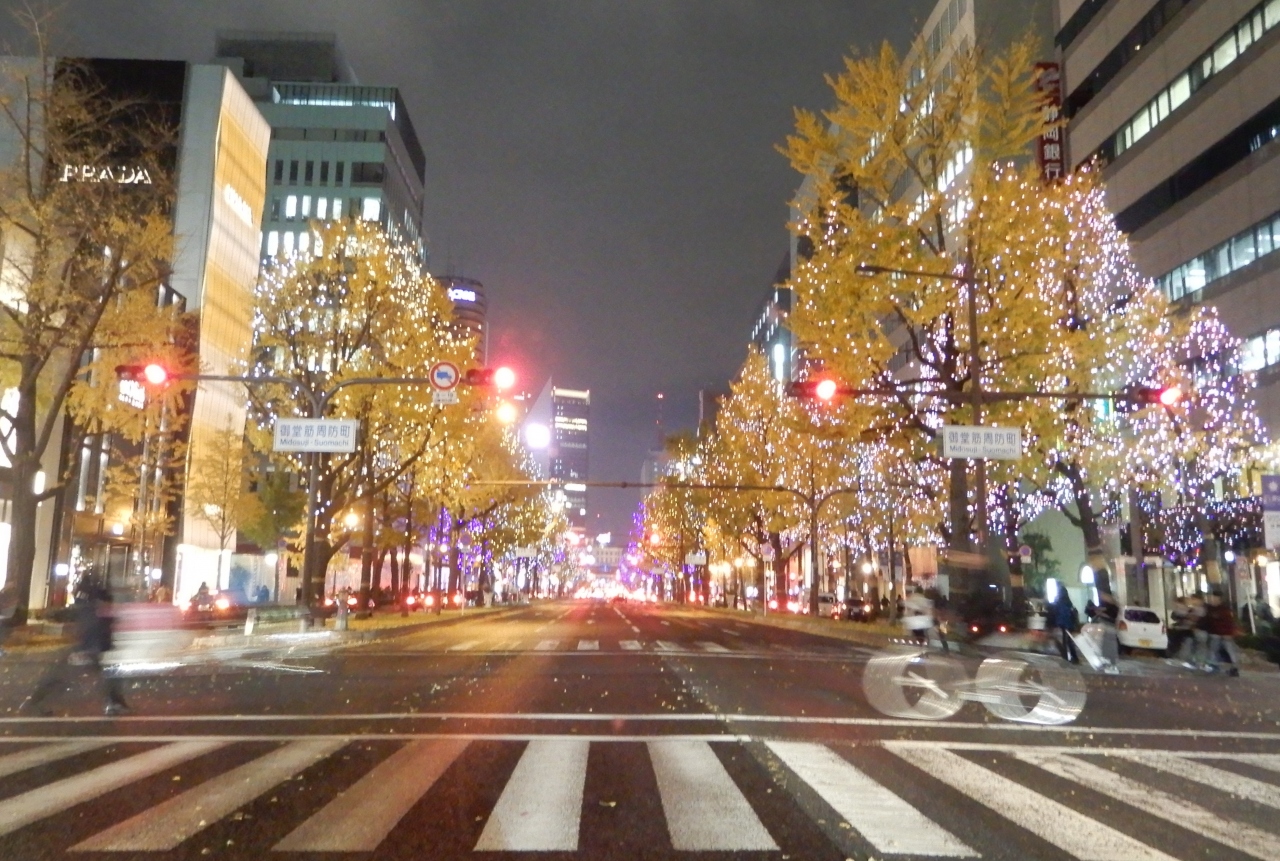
x: 12, y: 763
x: 730, y: 633
x: 705, y: 810
x: 1072, y: 832
x: 1184, y: 814
x: 547, y: 646
x: 712, y: 647
x: 58, y: 796
x: 541, y: 806
x: 1245, y: 787
x: 361, y: 817
x: 588, y: 645
x: 509, y: 646
x: 635, y: 629
x: 630, y: 645
x: 663, y: 622
x: 462, y: 647
x: 887, y: 822
x: 667, y: 646
x: 164, y: 826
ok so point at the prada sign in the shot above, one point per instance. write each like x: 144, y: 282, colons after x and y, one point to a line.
x: 119, y: 174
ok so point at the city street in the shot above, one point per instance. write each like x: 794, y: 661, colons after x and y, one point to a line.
x: 594, y: 730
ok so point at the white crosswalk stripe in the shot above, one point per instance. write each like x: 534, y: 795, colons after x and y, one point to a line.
x: 887, y: 822
x: 463, y: 647
x: 540, y: 804
x: 1239, y: 835
x: 1072, y: 832
x: 47, y: 800
x: 708, y: 646
x: 668, y: 646
x: 588, y: 645
x: 359, y: 819
x: 547, y: 646
x: 705, y: 810
x: 630, y: 645
x: 168, y: 824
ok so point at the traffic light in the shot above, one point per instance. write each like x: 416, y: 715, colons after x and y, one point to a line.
x: 822, y: 389
x: 1167, y: 396
x: 152, y: 374
x: 501, y: 378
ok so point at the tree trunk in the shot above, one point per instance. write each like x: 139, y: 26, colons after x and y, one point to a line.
x: 24, y: 506
x: 1091, y: 530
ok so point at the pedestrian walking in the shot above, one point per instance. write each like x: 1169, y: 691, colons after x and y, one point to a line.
x: 918, y: 618
x: 93, y: 623
x: 1181, y: 630
x: 1220, y: 624
x: 1065, y: 620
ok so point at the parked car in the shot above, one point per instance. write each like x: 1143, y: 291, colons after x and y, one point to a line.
x: 1141, y: 628
x: 826, y: 605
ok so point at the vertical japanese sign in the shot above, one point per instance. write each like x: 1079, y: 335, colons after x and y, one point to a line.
x: 1049, y: 149
x: 1271, y: 510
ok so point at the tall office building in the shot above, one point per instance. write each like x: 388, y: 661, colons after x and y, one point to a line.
x: 338, y: 148
x: 217, y: 167
x: 560, y: 418
x: 470, y: 311
x: 1180, y: 100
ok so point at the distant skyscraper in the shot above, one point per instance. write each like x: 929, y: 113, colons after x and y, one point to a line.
x: 338, y: 149
x: 470, y: 310
x: 561, y: 418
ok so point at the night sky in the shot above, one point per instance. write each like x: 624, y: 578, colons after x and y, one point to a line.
x: 607, y: 168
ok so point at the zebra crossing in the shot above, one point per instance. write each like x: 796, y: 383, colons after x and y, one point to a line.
x: 1079, y: 800
x: 606, y: 647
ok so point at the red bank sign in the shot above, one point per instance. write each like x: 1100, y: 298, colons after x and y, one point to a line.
x: 1049, y: 151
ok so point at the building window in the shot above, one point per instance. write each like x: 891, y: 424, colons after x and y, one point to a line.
x: 279, y: 172
x: 293, y: 173
x: 291, y: 207
x: 368, y: 173
x: 1220, y: 261
x: 275, y: 208
x: 1228, y: 49
x: 322, y: 206
x: 304, y: 242
x: 306, y: 206
x: 338, y: 171
x: 311, y: 173
x: 273, y: 243
x: 288, y: 243
x: 337, y: 208
x: 324, y: 173
x: 371, y: 209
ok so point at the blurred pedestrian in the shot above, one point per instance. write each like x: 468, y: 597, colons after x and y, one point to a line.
x: 162, y: 594
x: 1220, y: 623
x: 1065, y: 619
x: 93, y: 623
x: 1181, y: 629
x: 918, y: 618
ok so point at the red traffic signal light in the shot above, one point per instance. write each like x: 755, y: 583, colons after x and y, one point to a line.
x: 153, y: 374
x: 1168, y: 396
x: 816, y: 389
x: 498, y: 378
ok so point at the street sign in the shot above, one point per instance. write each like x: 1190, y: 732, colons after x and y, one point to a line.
x: 444, y: 376
x: 440, y: 397
x: 312, y: 435
x: 982, y: 442
x: 1271, y: 510
x: 1026, y: 553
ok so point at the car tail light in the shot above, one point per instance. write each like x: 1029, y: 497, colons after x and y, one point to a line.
x: 1004, y: 629
x: 1122, y: 625
x: 352, y: 601
x: 410, y: 600
x: 1162, y: 630
x: 457, y: 599
x: 773, y: 605
x: 429, y: 600
x: 973, y: 628
x: 222, y: 604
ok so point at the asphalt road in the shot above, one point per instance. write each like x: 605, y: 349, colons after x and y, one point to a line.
x: 593, y: 731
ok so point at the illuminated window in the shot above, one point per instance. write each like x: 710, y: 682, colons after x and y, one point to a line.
x: 337, y: 207
x: 304, y: 242
x: 288, y: 243
x: 371, y: 209
x: 291, y: 206
x: 273, y: 243
x: 306, y: 206
x: 322, y: 207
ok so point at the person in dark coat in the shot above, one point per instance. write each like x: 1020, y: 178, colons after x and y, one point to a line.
x: 93, y: 626
x: 1064, y: 619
